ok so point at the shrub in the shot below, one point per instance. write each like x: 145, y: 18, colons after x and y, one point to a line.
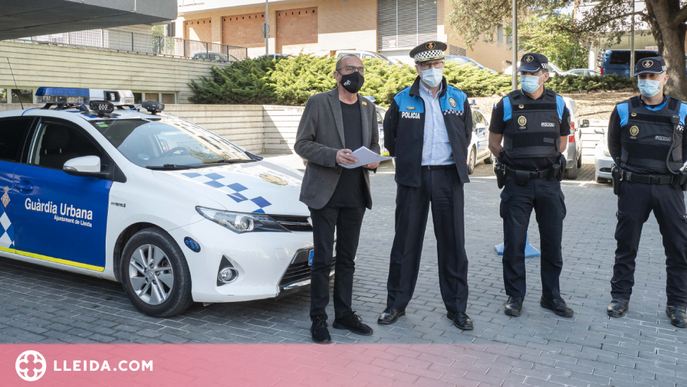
x: 291, y: 81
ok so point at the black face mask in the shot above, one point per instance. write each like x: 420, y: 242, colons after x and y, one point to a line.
x: 352, y: 82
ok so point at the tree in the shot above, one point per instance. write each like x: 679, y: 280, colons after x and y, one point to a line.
x: 666, y: 19
x: 545, y: 36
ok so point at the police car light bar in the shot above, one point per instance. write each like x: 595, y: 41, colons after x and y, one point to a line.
x: 115, y: 97
x: 57, y: 95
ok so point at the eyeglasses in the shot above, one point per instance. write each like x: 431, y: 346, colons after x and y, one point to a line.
x: 439, y: 64
x: 351, y: 69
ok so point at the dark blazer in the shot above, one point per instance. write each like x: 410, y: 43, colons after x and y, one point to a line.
x: 320, y: 135
x: 404, y: 127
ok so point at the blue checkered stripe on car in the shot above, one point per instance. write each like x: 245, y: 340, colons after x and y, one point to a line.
x: 238, y: 192
x: 6, y: 229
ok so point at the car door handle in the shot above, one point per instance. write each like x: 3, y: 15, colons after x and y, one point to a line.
x: 24, y: 186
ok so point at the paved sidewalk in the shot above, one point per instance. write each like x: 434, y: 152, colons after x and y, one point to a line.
x: 422, y: 348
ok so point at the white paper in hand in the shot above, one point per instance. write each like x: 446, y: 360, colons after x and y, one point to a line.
x: 364, y: 157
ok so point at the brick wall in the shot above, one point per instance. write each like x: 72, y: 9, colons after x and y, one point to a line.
x: 243, y: 30
x: 199, y: 29
x: 296, y: 27
x: 340, y: 25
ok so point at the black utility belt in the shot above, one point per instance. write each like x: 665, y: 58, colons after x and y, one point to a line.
x: 632, y: 177
x: 529, y: 175
x: 431, y: 167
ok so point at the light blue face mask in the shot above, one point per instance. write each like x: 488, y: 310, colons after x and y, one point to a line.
x: 529, y: 83
x: 432, y: 77
x: 649, y: 88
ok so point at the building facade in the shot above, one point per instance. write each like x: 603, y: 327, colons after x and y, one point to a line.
x: 321, y: 27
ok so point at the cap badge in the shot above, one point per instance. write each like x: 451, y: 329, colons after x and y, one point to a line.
x: 529, y: 59
x: 648, y: 63
x: 452, y: 102
x: 430, y: 45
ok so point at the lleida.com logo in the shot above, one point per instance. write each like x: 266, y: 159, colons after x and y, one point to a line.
x: 31, y: 365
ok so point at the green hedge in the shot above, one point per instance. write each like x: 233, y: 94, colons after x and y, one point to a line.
x: 291, y: 81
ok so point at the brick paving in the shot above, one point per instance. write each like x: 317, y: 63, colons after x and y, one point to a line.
x: 423, y: 348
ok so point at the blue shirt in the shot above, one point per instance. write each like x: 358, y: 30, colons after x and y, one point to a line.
x: 436, y: 148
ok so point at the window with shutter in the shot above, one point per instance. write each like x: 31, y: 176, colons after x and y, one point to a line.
x: 403, y: 24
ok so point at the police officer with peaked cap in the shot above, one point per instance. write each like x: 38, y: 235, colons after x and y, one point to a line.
x: 534, y: 125
x: 647, y: 142
x: 428, y: 128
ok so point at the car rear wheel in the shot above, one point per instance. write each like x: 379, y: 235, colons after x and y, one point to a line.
x: 155, y: 274
x: 571, y: 173
x: 472, y: 161
x: 579, y: 162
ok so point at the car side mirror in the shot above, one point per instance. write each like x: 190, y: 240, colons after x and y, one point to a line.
x: 599, y: 131
x: 84, y: 166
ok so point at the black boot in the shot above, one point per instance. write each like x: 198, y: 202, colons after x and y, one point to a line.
x: 319, y: 331
x: 678, y: 315
x: 460, y: 320
x: 353, y: 323
x: 557, y: 305
x: 618, y: 307
x: 389, y: 316
x: 513, y: 306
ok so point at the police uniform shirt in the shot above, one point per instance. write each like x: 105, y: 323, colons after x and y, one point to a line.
x: 436, y: 148
x: 498, y: 126
x: 614, y: 132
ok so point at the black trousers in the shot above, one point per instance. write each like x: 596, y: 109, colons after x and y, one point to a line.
x: 635, y: 203
x: 347, y: 222
x: 547, y: 200
x: 443, y: 189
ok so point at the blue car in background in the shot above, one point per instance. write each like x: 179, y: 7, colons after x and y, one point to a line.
x: 618, y: 61
x: 462, y: 60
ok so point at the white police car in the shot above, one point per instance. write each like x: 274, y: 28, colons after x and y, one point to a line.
x: 174, y: 212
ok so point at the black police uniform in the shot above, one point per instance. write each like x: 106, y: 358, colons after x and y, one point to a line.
x: 531, y: 132
x: 648, y: 144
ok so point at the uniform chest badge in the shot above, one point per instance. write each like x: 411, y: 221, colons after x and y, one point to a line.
x: 6, y: 198
x: 522, y: 121
x: 452, y: 102
x: 521, y: 107
x: 633, y: 114
x: 273, y: 179
x: 634, y: 131
x: 410, y: 107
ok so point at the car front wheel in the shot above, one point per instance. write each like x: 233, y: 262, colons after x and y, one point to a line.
x: 155, y: 274
x: 472, y: 161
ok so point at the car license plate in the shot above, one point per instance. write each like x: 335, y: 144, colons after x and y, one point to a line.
x: 312, y: 253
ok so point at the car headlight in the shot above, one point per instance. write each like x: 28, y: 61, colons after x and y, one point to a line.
x: 240, y: 222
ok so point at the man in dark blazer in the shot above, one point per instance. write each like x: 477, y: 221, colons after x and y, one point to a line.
x: 334, y: 124
x: 428, y: 128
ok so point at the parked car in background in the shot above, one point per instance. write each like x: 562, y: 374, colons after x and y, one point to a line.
x: 215, y: 57
x: 362, y: 54
x: 381, y: 112
x: 573, y: 153
x: 581, y: 72
x: 602, y: 157
x: 479, y: 145
x: 463, y: 60
x: 274, y: 56
x: 618, y: 61
x: 553, y: 70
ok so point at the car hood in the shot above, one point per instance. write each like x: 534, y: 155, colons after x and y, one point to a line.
x: 259, y: 187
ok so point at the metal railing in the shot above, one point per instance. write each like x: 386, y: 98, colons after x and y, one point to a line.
x: 139, y: 43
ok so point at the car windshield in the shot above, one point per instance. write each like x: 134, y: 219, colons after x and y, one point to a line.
x: 623, y: 57
x: 457, y: 59
x: 170, y: 143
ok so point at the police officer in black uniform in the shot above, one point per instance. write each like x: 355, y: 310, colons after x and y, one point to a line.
x: 647, y: 142
x: 534, y: 125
